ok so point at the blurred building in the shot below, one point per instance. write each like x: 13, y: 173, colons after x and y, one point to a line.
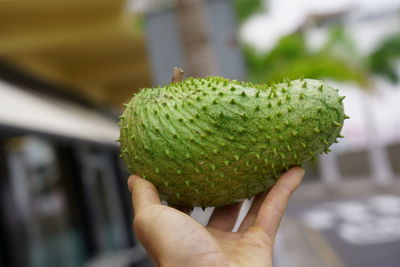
x: 94, y: 49
x: 340, y: 37
x: 370, y: 150
x: 347, y: 211
x: 66, y: 67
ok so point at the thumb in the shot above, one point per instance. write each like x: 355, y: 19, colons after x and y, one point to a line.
x: 144, y: 193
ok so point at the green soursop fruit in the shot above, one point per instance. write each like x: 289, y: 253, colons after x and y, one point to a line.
x: 212, y: 141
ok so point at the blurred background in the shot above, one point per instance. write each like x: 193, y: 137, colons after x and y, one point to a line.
x: 67, y: 67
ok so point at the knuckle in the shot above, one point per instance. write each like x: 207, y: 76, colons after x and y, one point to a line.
x: 146, y: 216
x: 139, y: 220
x: 275, y: 205
x: 259, y: 238
x: 285, y: 188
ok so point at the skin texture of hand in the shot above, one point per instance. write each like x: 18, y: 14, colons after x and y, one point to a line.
x: 173, y: 238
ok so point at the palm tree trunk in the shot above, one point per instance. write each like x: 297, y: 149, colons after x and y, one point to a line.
x: 198, y: 54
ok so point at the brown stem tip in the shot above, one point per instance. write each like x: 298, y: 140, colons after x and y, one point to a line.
x: 177, y: 75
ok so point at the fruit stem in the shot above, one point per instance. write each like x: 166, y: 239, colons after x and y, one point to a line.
x: 177, y: 74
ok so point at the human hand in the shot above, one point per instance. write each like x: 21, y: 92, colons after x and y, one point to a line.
x: 173, y: 238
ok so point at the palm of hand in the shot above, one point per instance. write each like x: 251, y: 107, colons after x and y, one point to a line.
x: 173, y: 238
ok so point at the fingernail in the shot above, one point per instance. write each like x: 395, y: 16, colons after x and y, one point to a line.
x: 297, y: 171
x: 294, y: 171
x: 130, y: 182
x: 300, y: 170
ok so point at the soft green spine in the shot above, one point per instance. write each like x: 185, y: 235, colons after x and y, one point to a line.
x: 211, y: 141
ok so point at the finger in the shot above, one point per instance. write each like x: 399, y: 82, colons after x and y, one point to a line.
x: 186, y: 210
x: 274, y: 205
x: 224, y: 218
x: 144, y: 193
x: 251, y: 215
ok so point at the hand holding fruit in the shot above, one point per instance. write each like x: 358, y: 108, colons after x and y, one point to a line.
x: 172, y: 238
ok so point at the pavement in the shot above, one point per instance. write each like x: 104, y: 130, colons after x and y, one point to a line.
x: 355, y: 224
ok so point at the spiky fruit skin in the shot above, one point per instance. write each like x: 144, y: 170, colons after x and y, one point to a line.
x: 211, y: 141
